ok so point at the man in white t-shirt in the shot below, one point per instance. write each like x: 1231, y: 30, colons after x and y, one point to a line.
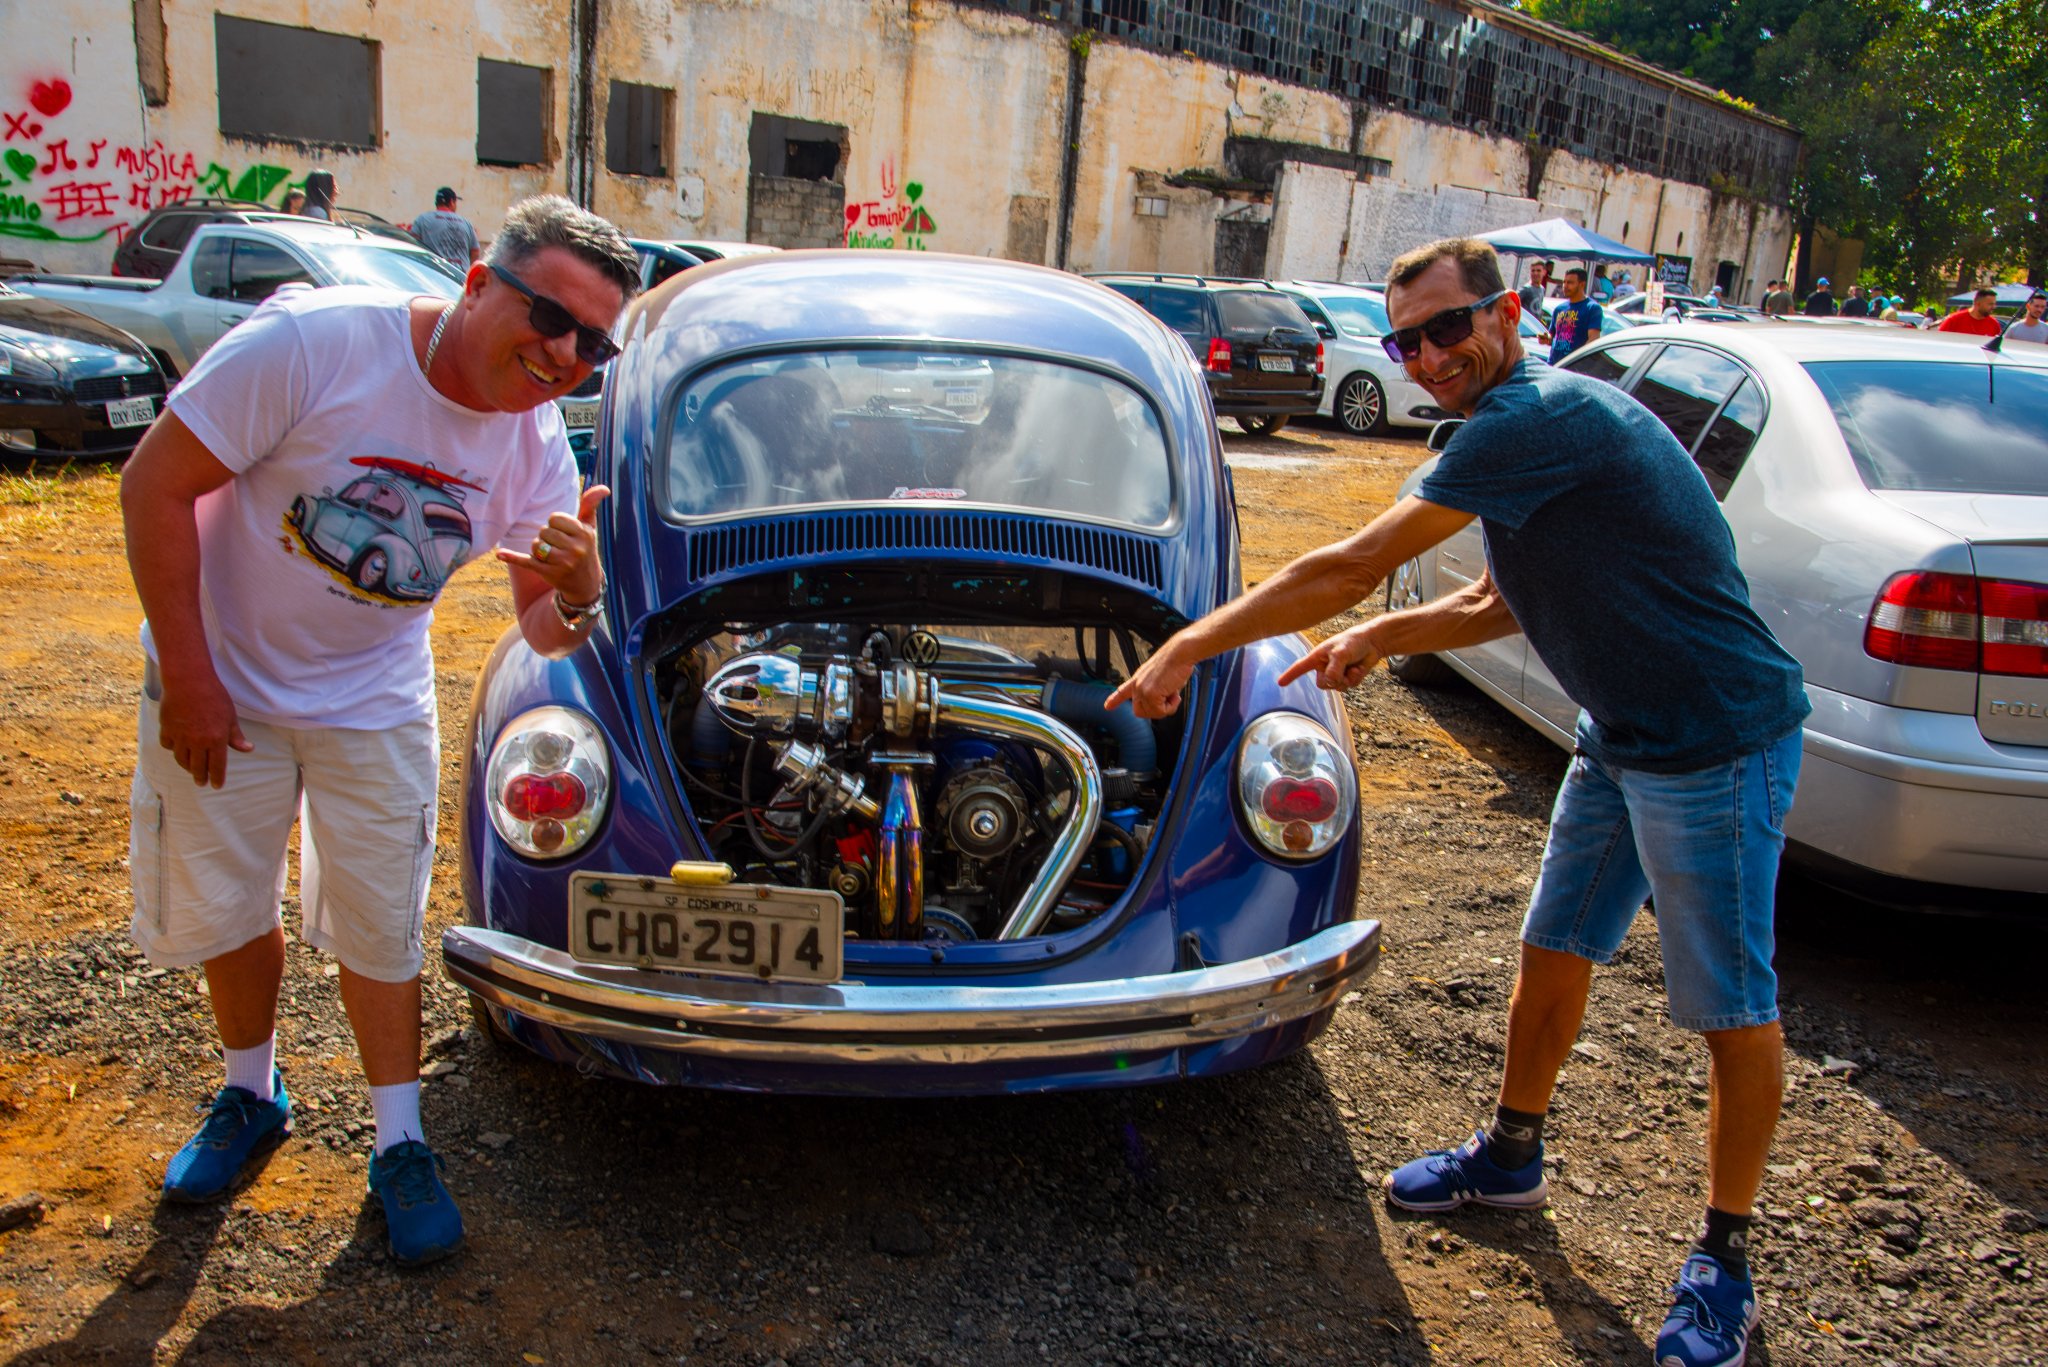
x: 291, y: 518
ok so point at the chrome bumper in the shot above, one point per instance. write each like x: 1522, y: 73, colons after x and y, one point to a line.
x: 907, y: 1023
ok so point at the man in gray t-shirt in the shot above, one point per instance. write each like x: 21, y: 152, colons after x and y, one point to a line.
x: 446, y: 233
x: 2030, y: 327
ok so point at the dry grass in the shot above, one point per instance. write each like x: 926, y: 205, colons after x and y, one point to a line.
x: 36, y: 499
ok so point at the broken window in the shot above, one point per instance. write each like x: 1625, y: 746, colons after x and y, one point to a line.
x: 512, y: 107
x: 796, y: 149
x: 637, y: 119
x: 282, y: 84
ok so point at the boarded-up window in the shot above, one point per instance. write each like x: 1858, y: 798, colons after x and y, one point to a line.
x: 636, y: 129
x: 512, y: 104
x: 295, y: 84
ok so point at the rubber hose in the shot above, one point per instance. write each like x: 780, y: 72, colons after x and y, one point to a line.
x: 1080, y: 704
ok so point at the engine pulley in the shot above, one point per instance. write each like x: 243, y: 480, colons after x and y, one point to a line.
x: 984, y: 812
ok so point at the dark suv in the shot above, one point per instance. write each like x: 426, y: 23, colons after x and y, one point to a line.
x: 1257, y: 349
x: 154, y: 247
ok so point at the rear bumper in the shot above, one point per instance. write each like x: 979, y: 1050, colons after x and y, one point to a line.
x: 909, y: 1024
x: 1260, y: 403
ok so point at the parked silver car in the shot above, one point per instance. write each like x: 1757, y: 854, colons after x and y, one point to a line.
x: 1888, y: 492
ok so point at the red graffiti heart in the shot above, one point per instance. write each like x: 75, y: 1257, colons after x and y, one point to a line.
x: 50, y: 97
x: 852, y: 214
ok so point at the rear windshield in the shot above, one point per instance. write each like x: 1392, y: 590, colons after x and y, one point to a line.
x: 904, y: 427
x: 1253, y: 311
x: 1951, y: 427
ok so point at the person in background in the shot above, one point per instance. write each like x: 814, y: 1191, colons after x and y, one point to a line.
x: 446, y: 233
x: 320, y: 194
x: 1777, y: 300
x: 1888, y: 309
x: 1978, y: 319
x: 1576, y: 321
x: 1536, y: 290
x: 2031, y: 326
x: 1855, y: 306
x: 1821, y: 303
x: 1602, y: 289
x: 1622, y: 288
x: 280, y: 681
x: 294, y: 202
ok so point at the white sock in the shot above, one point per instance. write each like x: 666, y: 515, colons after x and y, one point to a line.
x: 250, y: 1069
x: 397, y: 1108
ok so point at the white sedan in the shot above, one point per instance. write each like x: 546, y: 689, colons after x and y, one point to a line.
x: 1888, y: 492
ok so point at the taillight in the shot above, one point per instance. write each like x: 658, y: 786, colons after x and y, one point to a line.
x: 1295, y: 785
x: 1219, y: 355
x: 1959, y: 621
x: 548, y: 781
x: 1319, y: 358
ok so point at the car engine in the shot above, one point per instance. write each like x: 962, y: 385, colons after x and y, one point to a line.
x: 948, y: 784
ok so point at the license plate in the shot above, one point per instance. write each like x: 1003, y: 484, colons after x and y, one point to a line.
x: 962, y: 398
x: 580, y: 414
x: 741, y: 930
x: 131, y: 412
x: 1283, y: 364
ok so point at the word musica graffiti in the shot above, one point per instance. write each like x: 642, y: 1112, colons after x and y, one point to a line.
x: 134, y: 179
x: 874, y: 223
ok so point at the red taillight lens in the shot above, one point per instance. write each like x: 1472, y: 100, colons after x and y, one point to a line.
x: 2015, y: 628
x: 1958, y: 621
x: 534, y: 797
x: 1300, y: 799
x: 1219, y: 355
x: 1319, y: 358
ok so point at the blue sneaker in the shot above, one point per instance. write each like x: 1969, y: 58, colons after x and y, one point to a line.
x: 237, y: 1125
x: 1712, y: 1312
x: 425, y: 1226
x: 1445, y: 1180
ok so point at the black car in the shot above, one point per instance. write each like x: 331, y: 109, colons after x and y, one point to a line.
x: 150, y: 251
x: 71, y: 385
x: 1257, y: 349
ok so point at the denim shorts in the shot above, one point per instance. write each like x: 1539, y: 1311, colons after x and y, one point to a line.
x: 1705, y: 845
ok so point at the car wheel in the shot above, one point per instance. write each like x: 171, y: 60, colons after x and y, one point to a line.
x: 1264, y: 426
x: 1404, y: 590
x: 370, y: 570
x: 1362, y: 406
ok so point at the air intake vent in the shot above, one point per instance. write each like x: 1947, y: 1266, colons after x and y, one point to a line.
x: 1032, y: 540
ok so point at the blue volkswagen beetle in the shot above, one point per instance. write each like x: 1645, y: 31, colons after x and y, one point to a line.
x: 831, y: 803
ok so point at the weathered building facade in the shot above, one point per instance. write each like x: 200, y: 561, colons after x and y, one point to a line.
x: 1291, y: 138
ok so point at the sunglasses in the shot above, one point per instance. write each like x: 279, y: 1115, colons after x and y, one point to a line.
x: 551, y: 320
x: 1448, y: 328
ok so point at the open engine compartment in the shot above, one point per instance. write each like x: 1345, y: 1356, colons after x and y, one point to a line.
x: 951, y: 781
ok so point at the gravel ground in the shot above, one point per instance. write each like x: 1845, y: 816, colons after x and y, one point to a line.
x: 1236, y: 1221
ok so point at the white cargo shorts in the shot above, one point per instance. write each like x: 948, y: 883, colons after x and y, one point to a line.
x: 208, y: 864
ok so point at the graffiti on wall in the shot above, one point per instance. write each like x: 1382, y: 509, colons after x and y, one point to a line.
x: 898, y: 220
x: 60, y: 184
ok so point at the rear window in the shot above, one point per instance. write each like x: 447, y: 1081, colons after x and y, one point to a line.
x: 1951, y: 427
x: 910, y: 429
x: 1256, y: 312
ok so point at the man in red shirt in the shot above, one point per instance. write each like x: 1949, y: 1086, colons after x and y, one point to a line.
x: 1976, y: 318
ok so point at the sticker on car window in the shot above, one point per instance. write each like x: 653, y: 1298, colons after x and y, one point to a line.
x: 905, y: 491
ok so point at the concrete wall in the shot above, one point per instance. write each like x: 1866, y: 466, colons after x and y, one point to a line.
x: 955, y: 119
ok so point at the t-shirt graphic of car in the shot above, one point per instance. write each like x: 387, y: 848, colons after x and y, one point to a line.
x: 394, y: 534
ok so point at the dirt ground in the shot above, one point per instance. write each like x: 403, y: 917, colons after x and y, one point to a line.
x: 1234, y: 1221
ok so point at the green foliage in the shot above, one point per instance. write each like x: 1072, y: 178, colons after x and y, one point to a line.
x: 1921, y: 118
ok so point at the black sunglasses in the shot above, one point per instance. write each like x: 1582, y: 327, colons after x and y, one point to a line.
x: 551, y: 320
x: 1448, y: 328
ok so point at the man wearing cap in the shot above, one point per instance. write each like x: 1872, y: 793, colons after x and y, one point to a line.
x: 1821, y: 303
x: 446, y: 233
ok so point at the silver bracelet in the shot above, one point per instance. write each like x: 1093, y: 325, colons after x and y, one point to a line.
x: 577, y: 616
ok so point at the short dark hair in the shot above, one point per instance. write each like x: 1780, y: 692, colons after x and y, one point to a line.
x: 552, y: 221
x: 1981, y: 293
x: 1478, y: 266
x: 1579, y: 271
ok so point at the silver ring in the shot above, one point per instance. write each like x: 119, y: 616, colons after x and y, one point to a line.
x: 542, y: 550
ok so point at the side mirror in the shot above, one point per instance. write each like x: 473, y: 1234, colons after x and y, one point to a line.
x: 1440, y: 435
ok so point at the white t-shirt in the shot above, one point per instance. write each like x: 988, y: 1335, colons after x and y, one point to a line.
x: 2024, y: 331
x: 358, y: 490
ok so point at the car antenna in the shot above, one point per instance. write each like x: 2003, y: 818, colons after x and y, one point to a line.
x: 1996, y: 346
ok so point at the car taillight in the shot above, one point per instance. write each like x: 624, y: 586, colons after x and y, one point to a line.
x: 1219, y: 355
x: 1295, y: 785
x: 1319, y: 358
x: 1959, y: 621
x: 549, y: 778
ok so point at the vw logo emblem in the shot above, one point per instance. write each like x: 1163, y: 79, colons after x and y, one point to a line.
x: 920, y: 647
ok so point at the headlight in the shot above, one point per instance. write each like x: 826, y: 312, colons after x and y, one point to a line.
x: 548, y: 781
x: 1295, y: 785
